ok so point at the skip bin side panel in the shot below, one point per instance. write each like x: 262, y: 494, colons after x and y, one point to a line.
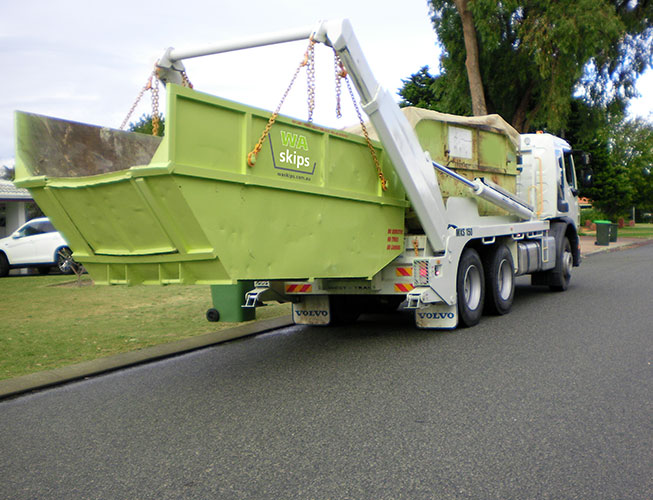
x: 263, y: 233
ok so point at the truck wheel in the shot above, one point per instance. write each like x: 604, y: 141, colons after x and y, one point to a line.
x: 4, y: 265
x: 470, y: 287
x: 345, y: 309
x: 499, y: 281
x: 561, y: 275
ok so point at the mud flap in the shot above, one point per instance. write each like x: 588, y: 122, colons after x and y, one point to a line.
x: 312, y: 310
x: 437, y: 316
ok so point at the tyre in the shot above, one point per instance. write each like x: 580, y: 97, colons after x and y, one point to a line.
x: 64, y: 260
x: 4, y: 265
x: 499, y: 281
x: 470, y: 288
x: 560, y: 276
x: 213, y: 315
x: 345, y: 309
x: 384, y: 304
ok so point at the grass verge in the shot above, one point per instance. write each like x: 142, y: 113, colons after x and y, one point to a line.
x: 643, y: 231
x: 50, y: 321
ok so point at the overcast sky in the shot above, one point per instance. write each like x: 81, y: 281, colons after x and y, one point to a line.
x: 87, y: 60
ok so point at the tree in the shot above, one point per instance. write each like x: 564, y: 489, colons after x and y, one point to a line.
x: 590, y: 131
x: 632, y: 148
x: 7, y: 173
x: 622, y: 157
x: 535, y: 55
x: 472, y: 58
x: 144, y: 125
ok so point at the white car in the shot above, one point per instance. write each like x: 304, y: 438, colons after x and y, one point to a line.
x: 35, y: 244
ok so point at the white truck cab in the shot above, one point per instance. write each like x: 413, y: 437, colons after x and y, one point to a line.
x: 548, y: 178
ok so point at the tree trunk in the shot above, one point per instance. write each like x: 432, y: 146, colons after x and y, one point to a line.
x: 519, y: 119
x: 471, y: 61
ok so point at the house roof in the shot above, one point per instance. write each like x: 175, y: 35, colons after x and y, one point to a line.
x: 10, y: 192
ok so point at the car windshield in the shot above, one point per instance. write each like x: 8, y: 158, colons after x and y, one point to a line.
x: 39, y: 227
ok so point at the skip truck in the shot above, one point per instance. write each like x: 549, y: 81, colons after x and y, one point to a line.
x: 455, y: 209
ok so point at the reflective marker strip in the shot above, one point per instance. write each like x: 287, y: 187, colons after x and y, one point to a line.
x: 403, y: 287
x: 300, y: 288
x: 404, y: 271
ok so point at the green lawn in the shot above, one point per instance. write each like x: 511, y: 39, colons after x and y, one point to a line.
x: 637, y: 231
x: 50, y: 321
x: 644, y: 231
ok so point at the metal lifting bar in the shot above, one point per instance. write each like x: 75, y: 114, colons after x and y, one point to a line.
x: 170, y: 65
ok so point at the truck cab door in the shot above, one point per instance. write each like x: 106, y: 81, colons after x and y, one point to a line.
x: 567, y: 187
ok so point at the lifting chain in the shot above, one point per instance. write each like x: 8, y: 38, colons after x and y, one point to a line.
x: 309, y: 61
x: 156, y: 121
x: 185, y: 81
x: 342, y: 74
x: 310, y: 77
x: 146, y: 87
x: 152, y: 85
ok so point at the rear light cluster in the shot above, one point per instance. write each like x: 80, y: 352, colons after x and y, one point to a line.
x: 424, y: 270
x: 421, y: 272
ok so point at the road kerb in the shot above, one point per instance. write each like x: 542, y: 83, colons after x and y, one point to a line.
x: 33, y: 381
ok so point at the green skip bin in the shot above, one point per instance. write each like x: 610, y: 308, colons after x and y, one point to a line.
x: 188, y: 209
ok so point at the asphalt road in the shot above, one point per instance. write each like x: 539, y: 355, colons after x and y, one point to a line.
x: 552, y: 401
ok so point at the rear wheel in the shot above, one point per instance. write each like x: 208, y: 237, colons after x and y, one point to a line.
x: 345, y: 309
x: 470, y: 288
x: 499, y: 281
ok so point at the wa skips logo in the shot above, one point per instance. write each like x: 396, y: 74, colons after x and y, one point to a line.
x: 291, y: 156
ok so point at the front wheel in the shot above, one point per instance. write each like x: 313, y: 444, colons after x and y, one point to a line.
x: 470, y: 288
x: 4, y: 265
x: 561, y: 274
x: 65, y: 262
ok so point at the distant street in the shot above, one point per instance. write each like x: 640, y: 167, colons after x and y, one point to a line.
x: 553, y: 401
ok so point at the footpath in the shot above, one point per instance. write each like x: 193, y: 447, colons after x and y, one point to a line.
x: 588, y: 245
x: 35, y: 381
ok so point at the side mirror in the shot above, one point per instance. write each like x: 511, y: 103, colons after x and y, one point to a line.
x: 586, y: 177
x: 585, y: 159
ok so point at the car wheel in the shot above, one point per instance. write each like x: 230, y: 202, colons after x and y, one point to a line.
x: 4, y: 265
x: 65, y: 262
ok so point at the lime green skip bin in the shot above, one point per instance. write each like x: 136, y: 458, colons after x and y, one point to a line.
x: 188, y: 209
